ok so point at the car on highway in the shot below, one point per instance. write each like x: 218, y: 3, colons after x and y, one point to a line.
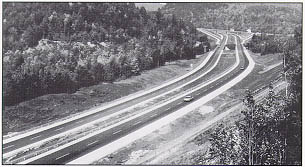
x: 242, y: 68
x: 188, y: 98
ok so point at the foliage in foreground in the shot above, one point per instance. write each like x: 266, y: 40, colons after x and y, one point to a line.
x: 270, y: 132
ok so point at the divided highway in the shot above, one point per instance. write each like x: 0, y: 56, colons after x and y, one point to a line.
x: 11, y: 146
x: 85, y: 146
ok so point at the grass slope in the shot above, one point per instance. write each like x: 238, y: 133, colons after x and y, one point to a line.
x: 54, y: 107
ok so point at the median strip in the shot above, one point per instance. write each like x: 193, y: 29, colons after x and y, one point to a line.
x: 114, y: 114
x: 133, y: 117
x: 114, y: 103
x: 117, y: 144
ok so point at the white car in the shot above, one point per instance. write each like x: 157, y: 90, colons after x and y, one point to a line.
x: 188, y: 98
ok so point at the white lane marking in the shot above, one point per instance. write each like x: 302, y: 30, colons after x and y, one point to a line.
x: 35, y: 137
x: 58, y: 129
x: 80, y: 121
x: 137, y: 123
x: 62, y: 156
x: 154, y: 115
x: 117, y: 132
x: 95, y: 110
x: 180, y: 102
x: 8, y: 147
x: 120, y: 143
x: 168, y: 108
x: 124, y: 121
x: 92, y: 143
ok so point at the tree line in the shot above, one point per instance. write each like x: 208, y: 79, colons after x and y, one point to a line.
x: 259, y: 17
x: 60, y: 47
x: 266, y: 44
x: 270, y: 131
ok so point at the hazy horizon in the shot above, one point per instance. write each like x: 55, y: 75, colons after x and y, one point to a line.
x: 151, y: 6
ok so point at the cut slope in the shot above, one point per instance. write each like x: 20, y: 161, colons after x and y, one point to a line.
x: 48, y: 108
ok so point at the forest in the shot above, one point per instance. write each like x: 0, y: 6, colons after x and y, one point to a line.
x: 270, y: 131
x: 275, y: 18
x: 61, y: 47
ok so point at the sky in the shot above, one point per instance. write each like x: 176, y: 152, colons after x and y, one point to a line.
x: 151, y: 6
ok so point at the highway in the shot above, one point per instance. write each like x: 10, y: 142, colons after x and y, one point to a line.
x: 85, y: 146
x: 25, y: 141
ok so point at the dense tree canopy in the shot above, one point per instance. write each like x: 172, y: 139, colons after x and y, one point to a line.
x: 60, y: 47
x: 270, y: 132
x: 259, y: 17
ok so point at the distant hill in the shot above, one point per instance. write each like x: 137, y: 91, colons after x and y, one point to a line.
x: 260, y: 17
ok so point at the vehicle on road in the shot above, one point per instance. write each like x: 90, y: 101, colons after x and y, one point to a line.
x: 242, y: 68
x: 188, y: 98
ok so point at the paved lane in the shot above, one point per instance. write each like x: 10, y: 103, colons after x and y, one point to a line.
x: 11, y: 146
x: 81, y: 148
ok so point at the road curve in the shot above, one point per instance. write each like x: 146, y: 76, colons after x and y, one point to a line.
x: 26, y: 141
x: 93, y: 156
x: 69, y: 153
x: 129, y: 97
x: 211, y: 35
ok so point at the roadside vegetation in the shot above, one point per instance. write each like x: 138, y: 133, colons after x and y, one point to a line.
x: 60, y: 59
x: 55, y: 107
x: 185, y: 141
x: 270, y: 44
x: 275, y: 18
x: 226, y: 141
x: 270, y: 131
x: 61, y: 47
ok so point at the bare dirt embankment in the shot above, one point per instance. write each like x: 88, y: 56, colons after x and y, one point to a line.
x: 185, y: 141
x: 55, y: 107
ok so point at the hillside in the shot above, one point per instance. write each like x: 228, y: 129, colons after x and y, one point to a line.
x: 61, y: 47
x: 259, y: 17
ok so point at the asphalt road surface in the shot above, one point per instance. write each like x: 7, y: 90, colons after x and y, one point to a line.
x: 11, y: 146
x: 81, y: 148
